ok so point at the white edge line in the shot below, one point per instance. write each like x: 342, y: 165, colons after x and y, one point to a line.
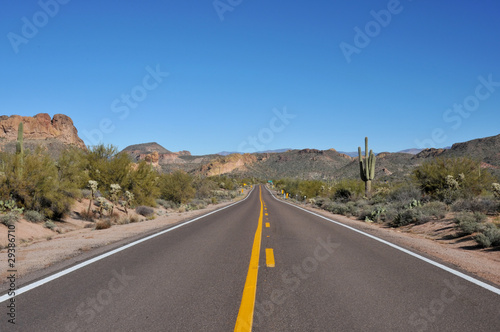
x: 427, y: 260
x: 109, y: 253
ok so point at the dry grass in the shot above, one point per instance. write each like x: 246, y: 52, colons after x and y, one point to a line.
x: 103, y: 224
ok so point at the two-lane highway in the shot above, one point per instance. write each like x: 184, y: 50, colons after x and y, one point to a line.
x: 267, y: 265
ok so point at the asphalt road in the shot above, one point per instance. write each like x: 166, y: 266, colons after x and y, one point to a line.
x: 326, y: 278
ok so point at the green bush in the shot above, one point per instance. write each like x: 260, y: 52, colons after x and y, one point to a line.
x: 436, y: 209
x: 377, y: 214
x: 452, y: 178
x: 50, y: 225
x: 33, y: 216
x: 177, y: 187
x: 410, y: 216
x: 197, y: 204
x: 468, y: 222
x: 9, y: 218
x: 40, y: 187
x: 166, y: 204
x: 404, y: 194
x: 391, y: 212
x: 489, y: 236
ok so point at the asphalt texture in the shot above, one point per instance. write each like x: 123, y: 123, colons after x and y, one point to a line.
x: 326, y: 278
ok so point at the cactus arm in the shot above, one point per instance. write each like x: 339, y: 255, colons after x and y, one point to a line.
x: 361, y: 167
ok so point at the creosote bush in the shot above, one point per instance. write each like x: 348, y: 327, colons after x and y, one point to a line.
x: 50, y: 225
x: 476, y: 204
x: 144, y: 211
x: 9, y: 218
x: 410, y: 216
x: 468, y: 222
x: 489, y: 235
x: 33, y: 216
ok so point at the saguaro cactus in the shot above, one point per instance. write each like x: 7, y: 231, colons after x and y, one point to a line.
x: 367, y: 168
x: 20, y: 147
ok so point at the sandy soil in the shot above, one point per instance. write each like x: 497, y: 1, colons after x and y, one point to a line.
x: 40, y: 249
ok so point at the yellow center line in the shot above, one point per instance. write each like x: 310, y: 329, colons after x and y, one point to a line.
x: 268, y: 225
x: 270, y: 257
x: 245, y: 315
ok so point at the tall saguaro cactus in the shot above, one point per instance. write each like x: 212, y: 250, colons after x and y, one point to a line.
x: 367, y: 168
x: 20, y: 147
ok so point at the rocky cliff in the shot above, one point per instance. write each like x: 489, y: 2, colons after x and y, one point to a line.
x: 39, y: 130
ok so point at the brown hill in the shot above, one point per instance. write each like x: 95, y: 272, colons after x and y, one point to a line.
x: 319, y: 164
x: 163, y: 158
x: 54, y: 134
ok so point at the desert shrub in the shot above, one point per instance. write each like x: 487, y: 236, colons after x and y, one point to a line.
x: 342, y: 195
x: 50, y: 225
x: 204, y: 187
x: 489, y: 236
x: 9, y: 218
x: 86, y: 193
x: 477, y: 204
x: 410, y: 216
x: 42, y: 186
x: 103, y: 224
x: 404, y: 194
x: 133, y: 219
x: 322, y: 201
x: 355, y: 186
x: 213, y: 200
x: 144, y: 183
x: 340, y: 208
x: 10, y: 205
x: 177, y: 187
x: 144, y: 211
x: 364, y: 212
x: 106, y: 165
x: 196, y: 204
x: 391, y: 212
x: 376, y: 214
x: 33, y: 216
x: 309, y: 188
x: 452, y: 178
x: 468, y: 222
x: 167, y: 204
x: 436, y: 209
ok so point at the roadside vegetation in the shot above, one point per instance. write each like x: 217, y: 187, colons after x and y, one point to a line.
x: 40, y: 189
x: 439, y: 189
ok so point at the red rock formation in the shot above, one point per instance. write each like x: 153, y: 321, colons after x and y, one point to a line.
x: 41, y: 127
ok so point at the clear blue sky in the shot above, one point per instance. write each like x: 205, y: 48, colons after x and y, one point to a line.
x: 396, y: 82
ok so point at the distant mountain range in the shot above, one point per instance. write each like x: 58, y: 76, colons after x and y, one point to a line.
x: 57, y: 133
x: 351, y: 154
x: 313, y: 163
x: 226, y: 153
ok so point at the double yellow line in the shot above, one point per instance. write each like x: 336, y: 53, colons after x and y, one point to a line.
x: 245, y: 315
